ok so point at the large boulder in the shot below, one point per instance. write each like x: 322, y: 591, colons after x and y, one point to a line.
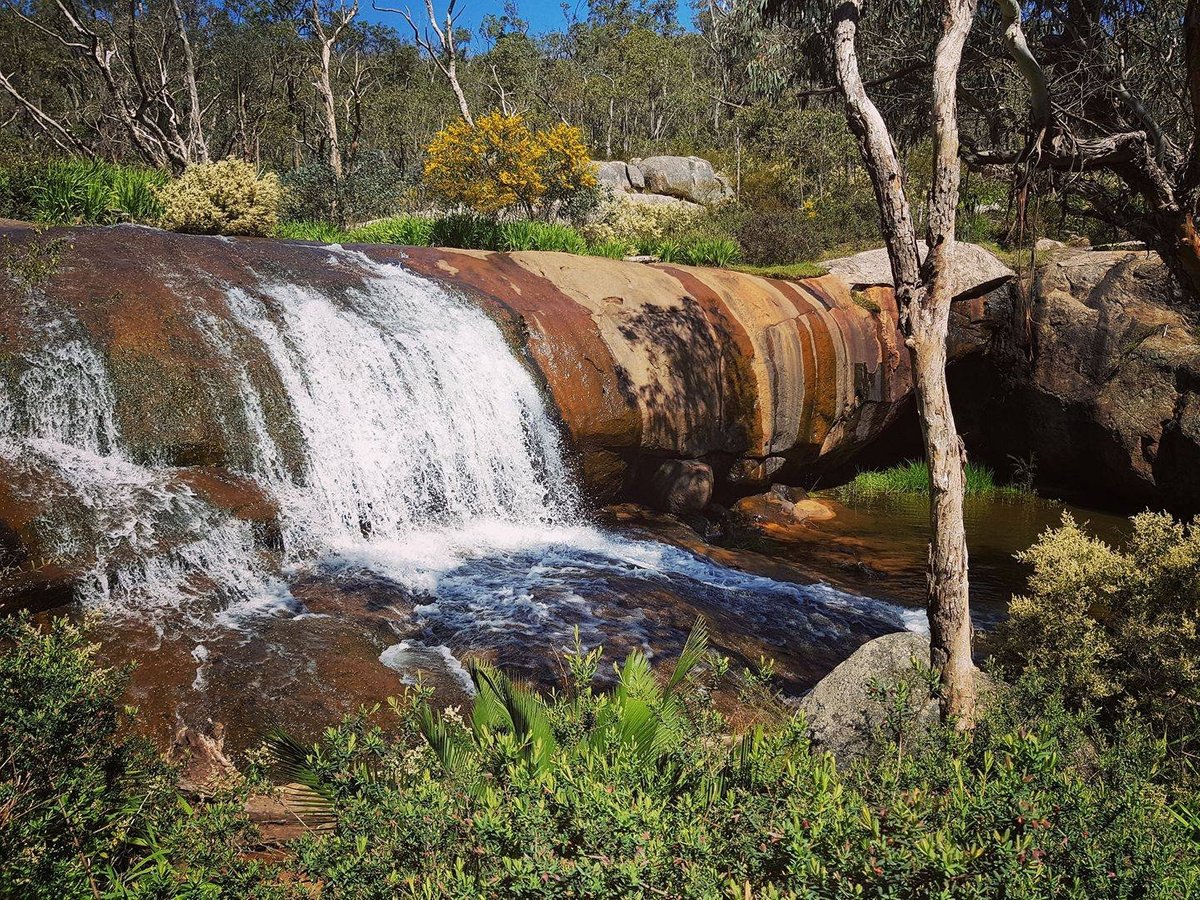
x: 976, y: 271
x: 1111, y: 401
x: 619, y: 177
x: 677, y: 486
x: 686, y: 177
x: 845, y: 708
x: 757, y: 379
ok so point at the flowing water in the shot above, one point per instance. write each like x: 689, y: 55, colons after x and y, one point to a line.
x: 429, y: 513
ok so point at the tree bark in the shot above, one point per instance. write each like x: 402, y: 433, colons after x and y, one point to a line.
x: 446, y: 47
x: 949, y: 606
x: 923, y: 296
x: 324, y: 81
x: 1179, y: 246
x: 198, y: 145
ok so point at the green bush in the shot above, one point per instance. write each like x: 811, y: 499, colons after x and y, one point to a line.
x: 532, y: 235
x: 80, y: 192
x: 618, y: 219
x: 639, y: 792
x: 463, y: 230
x: 1115, y: 628
x: 610, y: 249
x: 325, y: 232
x: 86, y: 811
x: 226, y: 197
x: 720, y: 252
x: 372, y: 188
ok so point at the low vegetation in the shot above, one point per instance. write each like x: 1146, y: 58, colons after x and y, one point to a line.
x: 1076, y: 783
x: 227, y: 197
x: 790, y: 271
x: 913, y: 478
x: 473, y: 232
x: 1116, y: 629
x: 76, y: 191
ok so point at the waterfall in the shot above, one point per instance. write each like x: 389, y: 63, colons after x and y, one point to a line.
x: 416, y: 421
x: 421, y: 458
x: 140, y: 533
x: 414, y: 413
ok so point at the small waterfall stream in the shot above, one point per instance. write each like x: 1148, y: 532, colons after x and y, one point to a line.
x: 414, y: 414
x: 428, y: 473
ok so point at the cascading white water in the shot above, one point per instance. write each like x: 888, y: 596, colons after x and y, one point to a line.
x: 414, y: 413
x: 149, y: 538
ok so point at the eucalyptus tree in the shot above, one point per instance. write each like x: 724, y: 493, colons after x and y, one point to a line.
x: 1104, y: 97
x: 133, y: 69
x: 924, y: 283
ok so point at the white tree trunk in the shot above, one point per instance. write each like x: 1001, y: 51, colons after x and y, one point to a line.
x: 923, y: 295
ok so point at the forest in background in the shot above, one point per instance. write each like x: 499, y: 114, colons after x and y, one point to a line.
x: 335, y: 103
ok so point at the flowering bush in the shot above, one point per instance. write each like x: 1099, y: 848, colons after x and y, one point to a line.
x: 639, y: 224
x: 1118, y: 628
x: 499, y: 164
x: 226, y: 197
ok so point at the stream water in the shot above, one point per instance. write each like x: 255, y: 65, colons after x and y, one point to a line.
x: 425, y: 508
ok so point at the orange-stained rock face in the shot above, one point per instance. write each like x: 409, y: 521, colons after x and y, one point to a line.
x: 753, y: 374
x: 758, y: 377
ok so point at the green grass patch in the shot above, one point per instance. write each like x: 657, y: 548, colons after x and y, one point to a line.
x: 408, y: 231
x: 912, y: 477
x: 325, y: 232
x: 80, y: 192
x: 470, y: 232
x: 789, y: 271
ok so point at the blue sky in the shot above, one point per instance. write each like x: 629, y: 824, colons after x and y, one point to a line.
x: 542, y: 15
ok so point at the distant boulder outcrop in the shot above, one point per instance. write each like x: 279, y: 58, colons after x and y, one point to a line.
x: 688, y: 179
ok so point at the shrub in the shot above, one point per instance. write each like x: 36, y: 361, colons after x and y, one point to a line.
x: 500, y: 164
x: 637, y: 792
x: 325, y: 232
x: 374, y: 187
x: 525, y: 235
x: 609, y: 249
x: 639, y: 224
x: 470, y: 232
x: 226, y: 197
x: 86, y: 811
x: 720, y: 252
x: 80, y: 192
x: 1115, y: 627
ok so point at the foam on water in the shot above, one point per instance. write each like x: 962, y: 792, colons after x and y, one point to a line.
x: 415, y: 414
x: 150, y: 544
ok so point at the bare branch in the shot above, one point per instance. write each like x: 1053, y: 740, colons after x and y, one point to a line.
x: 53, y: 129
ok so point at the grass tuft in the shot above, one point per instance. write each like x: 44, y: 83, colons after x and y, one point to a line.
x: 912, y: 477
x: 789, y: 271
